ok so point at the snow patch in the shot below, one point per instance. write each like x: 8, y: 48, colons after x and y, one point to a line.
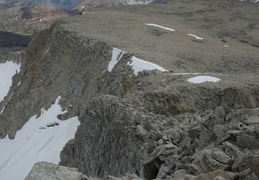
x: 141, y: 65
x: 202, y: 79
x: 116, y: 56
x: 198, y: 73
x: 135, y: 2
x: 255, y: 1
x: 136, y: 63
x: 196, y: 37
x: 162, y: 27
x: 36, y: 142
x: 10, y: 96
x: 7, y: 70
x: 226, y: 46
x: 2, y: 110
x: 186, y: 73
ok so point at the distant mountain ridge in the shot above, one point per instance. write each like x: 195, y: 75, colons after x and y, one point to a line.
x: 64, y: 4
x: 30, y: 20
x: 72, y: 4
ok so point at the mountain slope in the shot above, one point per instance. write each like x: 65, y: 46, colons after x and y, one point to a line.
x: 111, y: 3
x: 64, y: 4
x: 28, y: 20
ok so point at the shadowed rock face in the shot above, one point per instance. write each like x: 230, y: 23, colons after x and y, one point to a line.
x: 10, y: 39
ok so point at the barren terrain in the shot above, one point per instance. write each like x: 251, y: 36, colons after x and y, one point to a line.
x: 230, y: 41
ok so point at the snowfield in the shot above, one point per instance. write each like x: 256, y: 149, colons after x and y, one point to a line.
x: 137, y: 64
x: 135, y: 2
x: 196, y: 37
x: 7, y: 70
x: 40, y: 139
x: 116, y: 56
x: 202, y: 79
x: 162, y: 27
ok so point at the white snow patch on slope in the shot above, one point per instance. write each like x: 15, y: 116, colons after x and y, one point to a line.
x: 186, y: 73
x: 255, y: 1
x: 2, y: 110
x: 202, y: 79
x: 196, y: 37
x: 36, y: 142
x: 162, y: 27
x: 140, y: 65
x: 116, y: 56
x: 198, y: 73
x: 135, y: 2
x: 7, y: 70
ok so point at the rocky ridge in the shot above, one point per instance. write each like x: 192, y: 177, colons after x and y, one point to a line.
x: 63, y: 4
x: 153, y: 124
x: 30, y: 20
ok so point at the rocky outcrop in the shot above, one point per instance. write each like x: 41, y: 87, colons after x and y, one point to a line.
x: 118, y: 135
x: 47, y: 171
x: 60, y: 63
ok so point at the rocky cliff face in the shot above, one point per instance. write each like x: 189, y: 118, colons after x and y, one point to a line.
x: 153, y: 124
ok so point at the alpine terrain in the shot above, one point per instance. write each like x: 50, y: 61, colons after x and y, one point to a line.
x: 132, y: 89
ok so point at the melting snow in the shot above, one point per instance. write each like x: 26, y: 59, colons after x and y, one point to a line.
x: 40, y: 139
x: 47, y: 50
x: 135, y: 2
x: 116, y: 56
x: 202, y: 79
x: 196, y: 37
x: 2, y: 110
x: 140, y: 65
x: 7, y: 70
x: 156, y: 25
x: 136, y: 63
x: 185, y: 73
x: 11, y: 96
